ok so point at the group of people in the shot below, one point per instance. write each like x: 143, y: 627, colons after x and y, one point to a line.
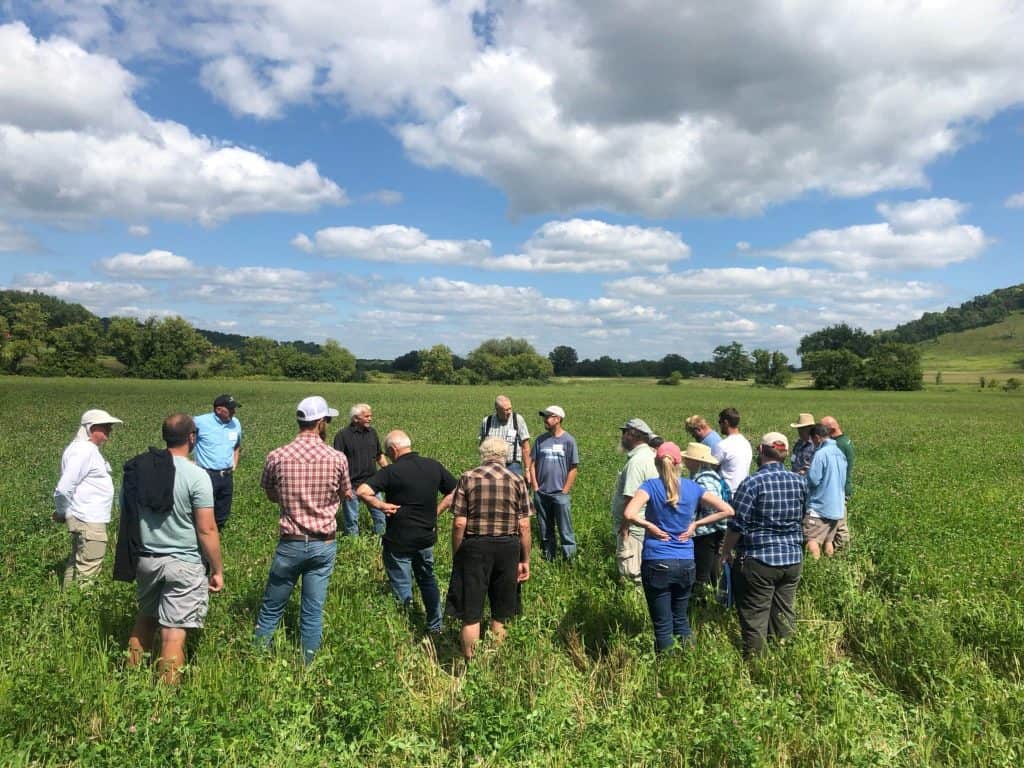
x: 673, y: 534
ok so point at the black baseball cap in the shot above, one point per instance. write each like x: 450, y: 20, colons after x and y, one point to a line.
x: 228, y: 401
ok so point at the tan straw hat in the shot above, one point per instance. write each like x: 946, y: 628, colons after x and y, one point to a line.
x: 699, y: 452
x: 805, y: 420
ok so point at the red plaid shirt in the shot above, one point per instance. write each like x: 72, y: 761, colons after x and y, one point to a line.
x: 308, y: 479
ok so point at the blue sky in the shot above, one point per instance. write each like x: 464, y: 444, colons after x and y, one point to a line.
x: 628, y: 179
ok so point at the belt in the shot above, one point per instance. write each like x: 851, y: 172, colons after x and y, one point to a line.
x: 307, y: 537
x: 219, y: 472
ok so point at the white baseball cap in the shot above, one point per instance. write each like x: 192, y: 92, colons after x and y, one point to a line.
x: 314, y: 408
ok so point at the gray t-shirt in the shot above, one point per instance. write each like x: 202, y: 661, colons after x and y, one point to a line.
x: 553, y: 457
x: 175, y: 534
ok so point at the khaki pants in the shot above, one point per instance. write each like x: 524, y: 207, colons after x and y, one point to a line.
x: 88, y: 546
x: 628, y: 555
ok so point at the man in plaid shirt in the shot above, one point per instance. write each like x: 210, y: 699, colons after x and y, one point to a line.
x: 308, y: 479
x: 490, y: 544
x: 767, y: 534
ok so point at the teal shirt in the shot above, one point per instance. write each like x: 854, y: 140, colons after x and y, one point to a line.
x: 175, y: 534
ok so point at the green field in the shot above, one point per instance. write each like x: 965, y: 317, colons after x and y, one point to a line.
x: 994, y: 350
x: 908, y: 651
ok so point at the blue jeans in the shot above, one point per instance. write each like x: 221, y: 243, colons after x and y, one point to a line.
x: 314, y: 562
x: 667, y: 586
x: 554, y: 510
x: 352, y: 517
x: 401, y: 568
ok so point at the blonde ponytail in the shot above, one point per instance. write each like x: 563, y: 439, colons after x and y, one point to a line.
x: 669, y: 474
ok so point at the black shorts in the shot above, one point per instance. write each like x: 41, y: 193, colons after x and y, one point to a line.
x: 485, y: 567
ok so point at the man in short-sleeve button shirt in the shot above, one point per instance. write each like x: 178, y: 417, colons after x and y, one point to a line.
x: 361, y: 446
x: 510, y: 427
x: 217, y: 448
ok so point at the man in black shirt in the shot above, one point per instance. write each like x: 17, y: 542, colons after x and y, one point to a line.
x: 411, y: 484
x: 361, y: 446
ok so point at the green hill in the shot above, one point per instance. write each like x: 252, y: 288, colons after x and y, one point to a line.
x: 963, y: 356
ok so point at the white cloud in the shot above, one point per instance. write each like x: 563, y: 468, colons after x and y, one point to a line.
x: 1015, y: 201
x: 75, y: 145
x: 138, y: 230
x: 151, y: 265
x: 920, y: 234
x: 253, y: 285
x: 100, y: 298
x: 658, y: 106
x: 741, y: 284
x: 576, y: 245
x: 393, y: 243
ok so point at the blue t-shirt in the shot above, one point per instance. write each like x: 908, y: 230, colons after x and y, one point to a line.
x: 216, y: 441
x: 553, y: 457
x: 711, y: 439
x: 672, y: 520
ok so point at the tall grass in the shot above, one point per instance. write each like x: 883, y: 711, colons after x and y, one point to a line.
x: 908, y: 650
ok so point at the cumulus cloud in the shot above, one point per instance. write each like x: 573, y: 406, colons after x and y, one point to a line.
x: 75, y: 145
x: 1015, y: 201
x: 744, y: 283
x: 101, y: 298
x: 151, y: 265
x: 920, y: 234
x: 255, y: 285
x: 642, y: 107
x: 576, y: 245
x: 138, y: 230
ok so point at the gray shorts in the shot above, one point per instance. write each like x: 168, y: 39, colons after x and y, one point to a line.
x: 176, y: 593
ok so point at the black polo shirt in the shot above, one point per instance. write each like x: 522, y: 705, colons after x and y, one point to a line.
x: 361, y: 447
x: 413, y: 483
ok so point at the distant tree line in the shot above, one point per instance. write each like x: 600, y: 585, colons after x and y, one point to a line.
x: 44, y: 336
x: 976, y: 313
x: 841, y: 357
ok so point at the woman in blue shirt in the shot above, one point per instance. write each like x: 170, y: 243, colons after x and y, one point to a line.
x: 667, y: 567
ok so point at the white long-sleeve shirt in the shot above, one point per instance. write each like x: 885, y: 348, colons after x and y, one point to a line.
x: 85, y: 490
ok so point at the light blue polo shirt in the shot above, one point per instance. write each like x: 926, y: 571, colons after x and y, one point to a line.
x: 217, y: 441
x: 826, y: 482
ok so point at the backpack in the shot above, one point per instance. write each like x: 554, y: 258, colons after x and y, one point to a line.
x: 148, y: 484
x: 516, y: 447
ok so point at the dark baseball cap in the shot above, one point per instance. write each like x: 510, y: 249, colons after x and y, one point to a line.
x: 228, y: 401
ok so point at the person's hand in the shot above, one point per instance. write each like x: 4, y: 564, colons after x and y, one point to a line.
x: 688, y: 533
x: 657, y: 533
x: 524, y: 572
x: 349, y: 495
x: 389, y: 509
x: 216, y: 581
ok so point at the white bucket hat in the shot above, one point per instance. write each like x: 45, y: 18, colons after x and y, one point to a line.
x: 91, y: 418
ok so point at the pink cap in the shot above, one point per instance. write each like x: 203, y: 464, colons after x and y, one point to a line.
x: 671, y: 450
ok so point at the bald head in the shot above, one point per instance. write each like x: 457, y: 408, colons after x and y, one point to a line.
x: 831, y: 425
x: 396, y: 442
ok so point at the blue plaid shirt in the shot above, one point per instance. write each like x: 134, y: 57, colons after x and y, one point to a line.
x: 769, y: 515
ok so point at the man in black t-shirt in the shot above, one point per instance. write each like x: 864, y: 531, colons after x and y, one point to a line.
x: 410, y: 484
x: 361, y: 446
